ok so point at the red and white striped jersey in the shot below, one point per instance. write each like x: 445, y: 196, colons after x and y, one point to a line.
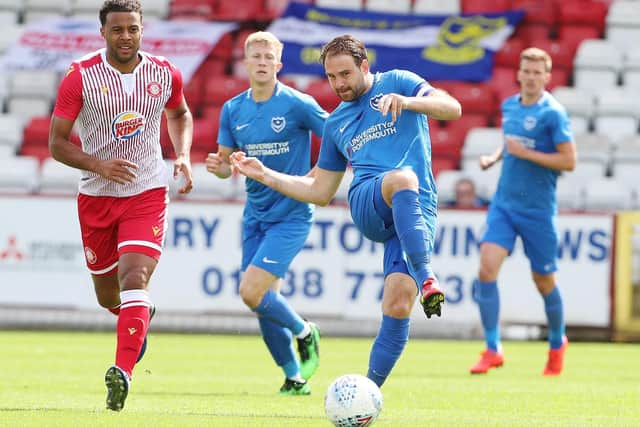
x: 119, y: 115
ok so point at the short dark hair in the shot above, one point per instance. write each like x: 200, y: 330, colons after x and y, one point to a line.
x: 119, y: 6
x: 345, y: 45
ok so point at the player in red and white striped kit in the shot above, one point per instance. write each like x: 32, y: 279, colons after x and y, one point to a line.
x: 116, y: 97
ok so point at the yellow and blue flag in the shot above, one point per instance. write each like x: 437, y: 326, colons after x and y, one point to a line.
x: 438, y: 47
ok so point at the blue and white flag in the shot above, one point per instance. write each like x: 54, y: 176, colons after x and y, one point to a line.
x: 437, y: 47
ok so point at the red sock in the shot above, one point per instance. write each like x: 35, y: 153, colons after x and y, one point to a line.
x: 115, y: 310
x: 133, y: 322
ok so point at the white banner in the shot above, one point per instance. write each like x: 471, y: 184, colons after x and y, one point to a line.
x: 53, y: 43
x: 337, y: 274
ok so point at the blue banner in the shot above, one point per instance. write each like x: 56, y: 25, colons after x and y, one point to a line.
x: 437, y: 47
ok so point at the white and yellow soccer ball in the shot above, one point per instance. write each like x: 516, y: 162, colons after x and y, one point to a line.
x: 352, y: 401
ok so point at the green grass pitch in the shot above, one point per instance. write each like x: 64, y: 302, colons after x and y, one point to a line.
x: 56, y: 379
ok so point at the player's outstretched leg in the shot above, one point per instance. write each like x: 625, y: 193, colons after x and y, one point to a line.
x: 295, y: 388
x: 555, y: 359
x: 309, y: 351
x: 431, y: 297
x: 117, y: 382
x: 143, y: 349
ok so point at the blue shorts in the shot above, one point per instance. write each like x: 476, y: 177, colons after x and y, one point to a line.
x: 374, y: 219
x: 538, y: 233
x: 272, y: 245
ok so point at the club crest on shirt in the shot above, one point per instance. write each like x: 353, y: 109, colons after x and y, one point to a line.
x: 529, y: 122
x: 278, y: 124
x: 127, y: 125
x: 375, y: 101
x: 90, y: 255
x: 154, y: 89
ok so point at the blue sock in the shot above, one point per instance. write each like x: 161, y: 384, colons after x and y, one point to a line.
x: 387, y: 348
x: 488, y: 300
x: 412, y: 231
x: 278, y: 341
x: 276, y: 308
x: 555, y: 317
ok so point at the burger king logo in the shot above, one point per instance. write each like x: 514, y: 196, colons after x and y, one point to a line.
x: 127, y: 125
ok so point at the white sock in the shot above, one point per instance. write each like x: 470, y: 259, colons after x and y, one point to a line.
x: 305, y: 331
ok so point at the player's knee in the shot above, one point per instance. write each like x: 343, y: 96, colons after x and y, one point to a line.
x: 134, y: 278
x: 487, y: 273
x: 398, y: 308
x: 250, y: 295
x: 402, y: 179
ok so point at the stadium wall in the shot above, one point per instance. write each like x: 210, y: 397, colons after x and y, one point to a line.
x: 336, y: 279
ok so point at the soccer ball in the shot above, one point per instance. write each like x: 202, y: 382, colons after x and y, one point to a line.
x: 352, y: 401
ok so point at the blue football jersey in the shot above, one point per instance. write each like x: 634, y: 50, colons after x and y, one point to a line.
x: 277, y: 132
x: 524, y: 185
x: 358, y: 133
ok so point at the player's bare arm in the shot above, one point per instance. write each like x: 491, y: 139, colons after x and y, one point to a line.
x: 180, y: 126
x: 491, y: 159
x: 118, y: 170
x: 438, y: 104
x: 318, y: 190
x: 563, y: 160
x: 219, y: 163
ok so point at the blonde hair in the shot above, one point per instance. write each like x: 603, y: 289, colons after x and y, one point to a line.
x: 536, y: 54
x: 267, y: 38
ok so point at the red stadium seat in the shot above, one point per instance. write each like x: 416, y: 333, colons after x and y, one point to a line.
x: 192, y: 9
x: 446, y: 142
x: 234, y: 10
x: 211, y: 113
x: 561, y: 51
x: 323, y: 93
x: 36, y: 132
x: 575, y: 34
x: 483, y: 6
x: 41, y: 152
x: 468, y: 122
x: 589, y: 13
x: 316, y: 141
x: 528, y: 32
x: 559, y: 77
x: 439, y: 164
x: 212, y: 67
x: 237, y: 51
x: 219, y: 89
x: 193, y: 92
x: 205, y: 136
x: 509, y: 55
x: 474, y: 97
x: 223, y: 48
x: 541, y: 12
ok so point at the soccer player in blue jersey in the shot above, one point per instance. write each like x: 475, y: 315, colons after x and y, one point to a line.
x: 272, y: 122
x: 380, y: 127
x: 538, y: 146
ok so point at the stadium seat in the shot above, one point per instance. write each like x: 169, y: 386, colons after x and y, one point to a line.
x: 238, y: 11
x: 580, y: 125
x: 594, y: 146
x: 440, y: 164
x: 562, y: 52
x: 28, y: 107
x: 386, y: 6
x: 218, y: 90
x: 577, y: 101
x: 40, y: 152
x: 36, y: 132
x: 192, y: 9
x: 617, y: 114
x: 436, y: 7
x: 446, y: 142
x: 42, y: 84
x: 11, y: 129
x: 509, y: 55
x: 205, y: 135
x: 576, y: 34
x: 597, y: 63
x: 9, y: 36
x: 237, y: 51
x: 57, y: 178
x: 584, y: 13
x: 539, y: 12
x: 222, y: 50
x: 475, y: 98
x: 323, y: 93
x: 478, y: 142
x: 19, y: 175
x: 486, y: 180
x: 626, y: 171
x: 529, y: 32
x: 623, y: 23
x: 627, y: 149
x: 587, y: 169
x: 607, y: 194
x: 464, y: 124
x: 7, y: 151
x: 569, y: 193
x: 274, y: 8
x: 340, y: 4
x: 482, y: 6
